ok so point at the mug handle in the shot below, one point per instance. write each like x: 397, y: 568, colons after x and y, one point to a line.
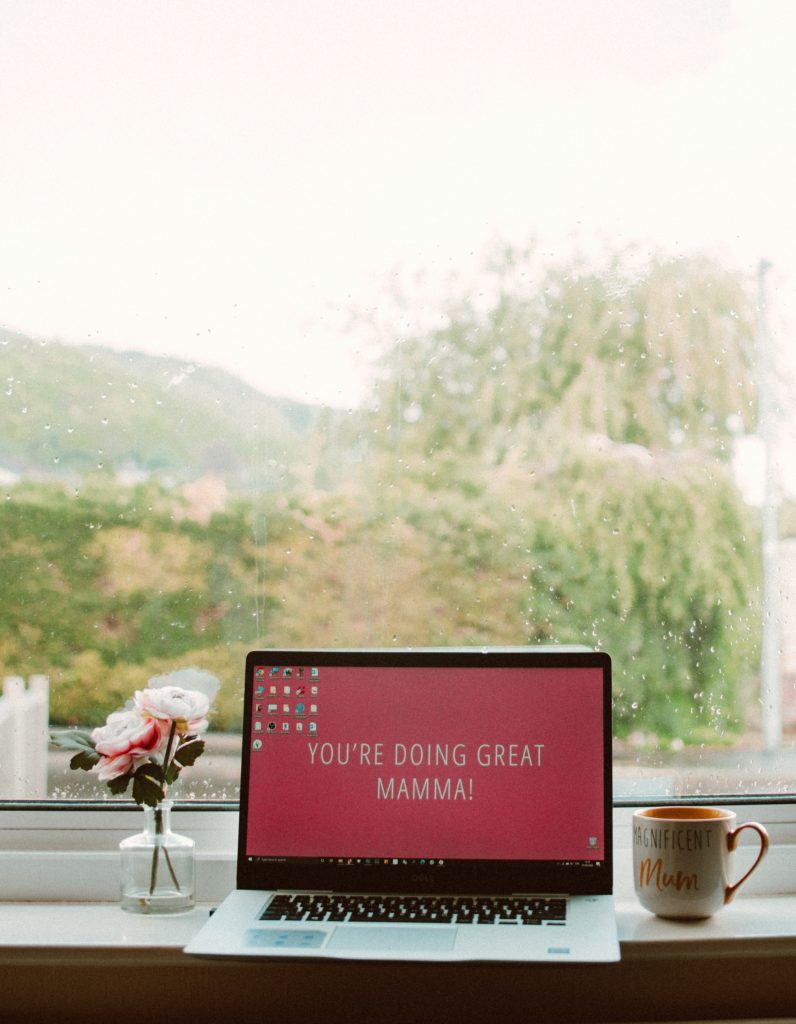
x: 732, y: 843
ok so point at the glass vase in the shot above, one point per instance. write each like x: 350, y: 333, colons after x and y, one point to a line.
x: 157, y: 866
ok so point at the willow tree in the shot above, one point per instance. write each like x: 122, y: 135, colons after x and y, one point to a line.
x: 659, y: 357
x: 588, y: 417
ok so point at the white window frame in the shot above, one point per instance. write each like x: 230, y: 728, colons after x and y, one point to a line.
x: 70, y: 853
x: 56, y: 852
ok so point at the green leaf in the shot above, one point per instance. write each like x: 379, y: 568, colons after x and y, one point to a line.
x: 172, y: 772
x: 188, y: 752
x: 85, y: 759
x: 148, y: 785
x: 119, y: 785
x: 72, y: 739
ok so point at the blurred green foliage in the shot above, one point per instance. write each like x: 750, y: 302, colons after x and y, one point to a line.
x: 548, y: 463
x: 78, y: 410
x: 787, y: 519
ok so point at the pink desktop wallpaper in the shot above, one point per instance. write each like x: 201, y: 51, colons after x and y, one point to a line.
x: 499, y: 763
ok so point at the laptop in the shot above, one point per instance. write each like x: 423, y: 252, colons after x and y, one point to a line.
x: 426, y: 804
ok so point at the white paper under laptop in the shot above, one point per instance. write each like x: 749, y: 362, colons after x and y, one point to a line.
x: 426, y: 804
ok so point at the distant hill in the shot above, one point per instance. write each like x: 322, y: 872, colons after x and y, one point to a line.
x: 68, y: 410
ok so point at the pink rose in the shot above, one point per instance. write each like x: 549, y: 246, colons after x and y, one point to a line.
x: 125, y: 741
x: 188, y: 709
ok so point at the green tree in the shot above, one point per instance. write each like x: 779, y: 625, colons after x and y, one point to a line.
x: 659, y: 357
x: 564, y: 438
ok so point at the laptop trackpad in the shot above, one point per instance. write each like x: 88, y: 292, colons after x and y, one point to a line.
x: 397, y: 937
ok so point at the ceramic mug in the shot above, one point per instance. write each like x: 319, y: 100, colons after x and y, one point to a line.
x: 681, y: 858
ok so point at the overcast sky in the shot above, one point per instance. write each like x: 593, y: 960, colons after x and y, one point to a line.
x: 212, y: 179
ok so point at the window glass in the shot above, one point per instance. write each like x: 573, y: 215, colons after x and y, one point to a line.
x: 383, y: 325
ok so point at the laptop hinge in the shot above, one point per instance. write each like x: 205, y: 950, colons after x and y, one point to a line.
x: 543, y: 895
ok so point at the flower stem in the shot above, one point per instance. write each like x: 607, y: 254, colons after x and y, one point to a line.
x: 167, y: 755
x: 153, y: 878
x: 171, y: 869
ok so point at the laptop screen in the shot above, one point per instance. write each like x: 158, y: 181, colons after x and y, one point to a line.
x: 428, y: 762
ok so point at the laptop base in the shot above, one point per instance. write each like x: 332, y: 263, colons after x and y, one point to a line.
x: 589, y: 935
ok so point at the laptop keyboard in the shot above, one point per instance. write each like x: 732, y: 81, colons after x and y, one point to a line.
x: 528, y: 910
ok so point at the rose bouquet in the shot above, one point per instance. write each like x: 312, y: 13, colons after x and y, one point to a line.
x: 148, y: 743
x: 151, y: 739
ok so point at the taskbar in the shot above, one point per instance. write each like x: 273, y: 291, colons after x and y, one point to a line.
x: 413, y: 862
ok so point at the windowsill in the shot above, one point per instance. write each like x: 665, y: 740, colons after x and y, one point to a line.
x: 741, y: 964
x: 751, y: 925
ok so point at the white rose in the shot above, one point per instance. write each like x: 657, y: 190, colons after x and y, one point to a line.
x: 188, y: 709
x: 188, y: 679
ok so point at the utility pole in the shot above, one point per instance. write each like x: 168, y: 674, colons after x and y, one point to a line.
x: 770, y: 680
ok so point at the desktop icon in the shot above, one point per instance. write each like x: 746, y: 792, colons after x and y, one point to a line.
x: 299, y: 709
x: 257, y: 745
